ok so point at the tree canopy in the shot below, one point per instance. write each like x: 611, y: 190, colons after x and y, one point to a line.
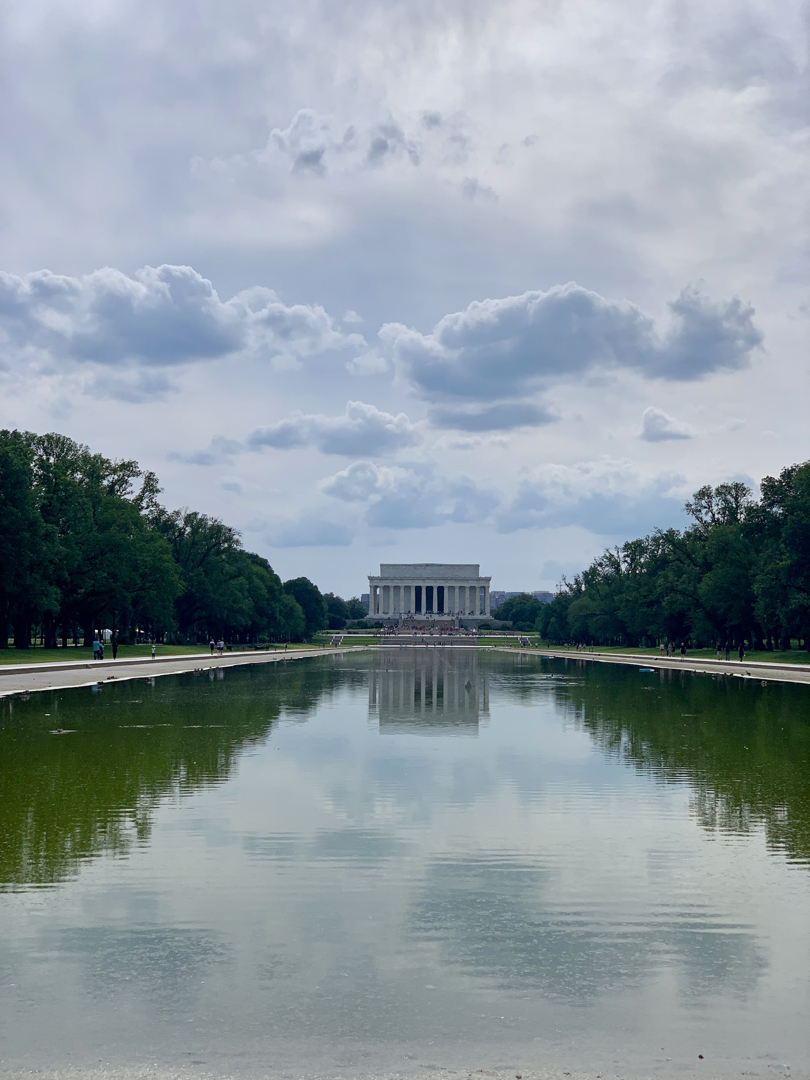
x: 85, y: 544
x: 740, y: 572
x: 522, y: 611
x: 310, y: 601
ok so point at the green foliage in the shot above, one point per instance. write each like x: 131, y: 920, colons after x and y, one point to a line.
x: 739, y: 573
x: 357, y: 609
x: 311, y: 602
x: 86, y: 545
x: 522, y: 611
x: 337, y: 611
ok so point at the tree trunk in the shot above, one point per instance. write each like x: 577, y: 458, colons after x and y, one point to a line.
x: 49, y: 632
x: 22, y: 631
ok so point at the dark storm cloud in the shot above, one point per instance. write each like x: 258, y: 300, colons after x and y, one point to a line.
x: 504, y: 416
x: 161, y: 316
x: 498, y: 348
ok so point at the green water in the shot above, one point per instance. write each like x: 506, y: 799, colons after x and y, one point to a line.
x: 417, y: 858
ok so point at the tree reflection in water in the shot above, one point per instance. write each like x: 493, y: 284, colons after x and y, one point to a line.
x: 127, y: 746
x: 742, y: 745
x: 744, y: 748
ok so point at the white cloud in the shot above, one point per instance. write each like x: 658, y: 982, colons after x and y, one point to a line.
x: 363, y: 429
x: 410, y: 497
x: 608, y: 497
x: 159, y: 317
x: 658, y: 426
x: 504, y: 416
x: 220, y: 451
x: 321, y: 145
x: 310, y: 530
x: 498, y: 348
x: 367, y: 363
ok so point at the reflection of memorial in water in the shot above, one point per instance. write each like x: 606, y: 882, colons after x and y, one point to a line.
x: 429, y: 691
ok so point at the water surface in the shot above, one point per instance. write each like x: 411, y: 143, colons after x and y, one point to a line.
x: 422, y: 857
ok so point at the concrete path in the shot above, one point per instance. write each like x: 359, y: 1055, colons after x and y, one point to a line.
x: 25, y: 678
x: 797, y: 673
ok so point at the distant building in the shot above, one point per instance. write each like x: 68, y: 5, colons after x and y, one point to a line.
x: 364, y: 600
x: 429, y: 592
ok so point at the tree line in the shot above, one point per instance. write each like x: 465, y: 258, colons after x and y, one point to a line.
x: 738, y: 574
x: 86, y: 545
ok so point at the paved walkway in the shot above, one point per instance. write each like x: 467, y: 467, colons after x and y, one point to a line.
x: 22, y: 678
x: 798, y: 673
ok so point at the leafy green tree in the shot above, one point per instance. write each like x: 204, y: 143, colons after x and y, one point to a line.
x: 337, y: 611
x: 311, y: 603
x: 293, y: 622
x: 521, y: 610
x: 26, y: 543
x: 357, y: 609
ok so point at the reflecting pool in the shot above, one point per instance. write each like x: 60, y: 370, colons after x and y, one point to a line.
x: 420, y: 857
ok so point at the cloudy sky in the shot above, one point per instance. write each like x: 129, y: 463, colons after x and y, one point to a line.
x: 436, y: 280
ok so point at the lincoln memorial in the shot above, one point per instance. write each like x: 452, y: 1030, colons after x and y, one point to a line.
x: 430, y: 592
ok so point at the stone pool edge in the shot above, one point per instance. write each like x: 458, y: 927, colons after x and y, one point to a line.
x: 795, y: 673
x: 59, y: 677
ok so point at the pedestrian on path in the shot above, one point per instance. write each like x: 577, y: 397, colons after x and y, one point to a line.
x: 212, y: 645
x: 114, y: 643
x: 153, y: 650
x: 742, y: 651
x: 98, y: 650
x: 220, y: 646
x: 728, y: 650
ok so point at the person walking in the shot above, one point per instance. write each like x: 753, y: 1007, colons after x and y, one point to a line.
x: 741, y: 651
x: 153, y: 650
x: 728, y: 650
x: 683, y: 649
x: 114, y: 643
x: 212, y: 645
x: 220, y: 646
x: 719, y: 651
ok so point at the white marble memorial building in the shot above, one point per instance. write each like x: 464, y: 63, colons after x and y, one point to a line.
x: 429, y: 592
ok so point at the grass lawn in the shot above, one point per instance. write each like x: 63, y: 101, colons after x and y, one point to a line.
x: 125, y: 652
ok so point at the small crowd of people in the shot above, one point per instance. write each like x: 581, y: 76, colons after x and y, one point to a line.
x: 98, y: 647
x: 219, y: 646
x: 669, y: 648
